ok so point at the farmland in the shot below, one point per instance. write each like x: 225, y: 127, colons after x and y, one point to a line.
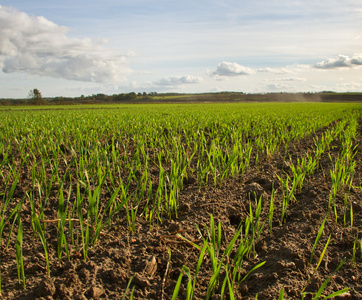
x: 196, y: 201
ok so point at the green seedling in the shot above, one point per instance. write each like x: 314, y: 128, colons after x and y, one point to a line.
x: 319, y: 262
x: 320, y: 232
x: 19, y: 254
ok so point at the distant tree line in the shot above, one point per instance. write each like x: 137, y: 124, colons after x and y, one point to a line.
x: 36, y: 98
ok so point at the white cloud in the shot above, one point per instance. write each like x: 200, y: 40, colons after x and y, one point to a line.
x: 350, y: 86
x: 178, y: 80
x: 278, y: 87
x: 290, y: 69
x: 273, y: 70
x: 292, y: 79
x: 341, y: 61
x: 281, y: 84
x: 35, y: 45
x: 318, y: 88
x: 356, y: 60
x: 231, y: 69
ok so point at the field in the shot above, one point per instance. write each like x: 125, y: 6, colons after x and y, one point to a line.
x: 181, y: 201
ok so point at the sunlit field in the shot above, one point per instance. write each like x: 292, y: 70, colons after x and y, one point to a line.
x: 181, y: 201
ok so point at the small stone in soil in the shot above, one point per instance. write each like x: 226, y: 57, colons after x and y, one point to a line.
x: 96, y: 292
x: 151, y: 267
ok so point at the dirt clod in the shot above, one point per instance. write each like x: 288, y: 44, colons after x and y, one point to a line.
x: 46, y: 288
x: 141, y: 281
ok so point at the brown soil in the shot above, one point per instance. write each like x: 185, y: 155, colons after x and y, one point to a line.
x: 120, y: 254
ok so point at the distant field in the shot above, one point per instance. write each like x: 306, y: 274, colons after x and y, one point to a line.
x: 196, y: 201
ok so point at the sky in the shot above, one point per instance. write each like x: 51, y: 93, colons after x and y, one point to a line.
x: 85, y: 47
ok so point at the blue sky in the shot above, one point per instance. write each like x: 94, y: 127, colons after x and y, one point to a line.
x: 70, y: 48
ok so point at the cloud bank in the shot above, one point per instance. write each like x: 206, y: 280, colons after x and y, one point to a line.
x: 35, y: 45
x: 341, y: 61
x: 178, y: 80
x: 231, y: 69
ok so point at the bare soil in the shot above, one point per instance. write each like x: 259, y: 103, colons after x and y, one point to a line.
x: 121, y: 254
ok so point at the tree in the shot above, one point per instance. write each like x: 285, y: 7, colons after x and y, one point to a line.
x: 131, y: 96
x: 36, y: 96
